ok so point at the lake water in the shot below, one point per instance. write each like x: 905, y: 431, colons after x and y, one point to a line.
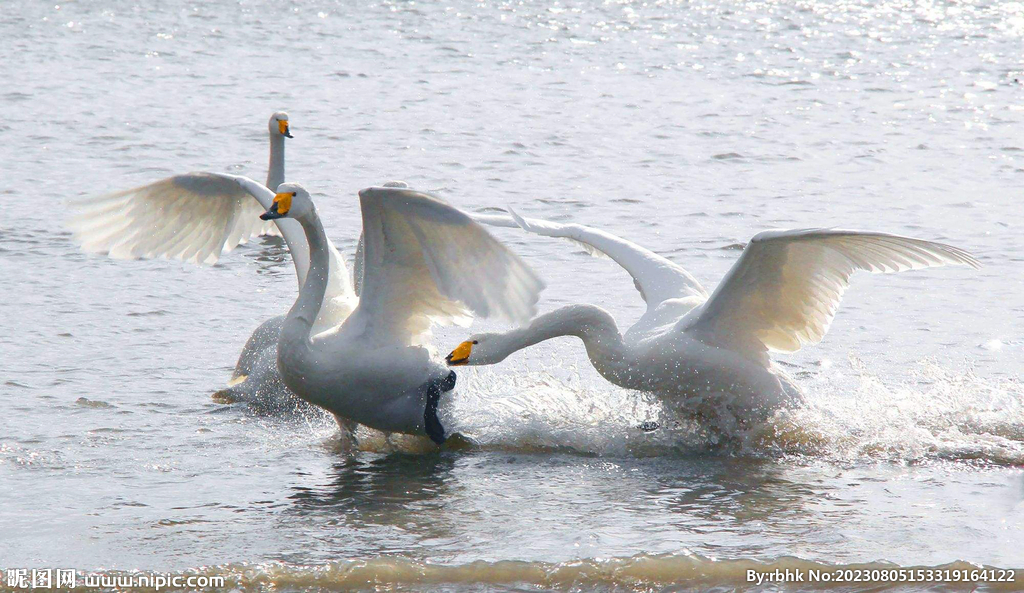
x: 686, y: 127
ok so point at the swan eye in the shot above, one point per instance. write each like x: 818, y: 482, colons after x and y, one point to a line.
x: 475, y: 342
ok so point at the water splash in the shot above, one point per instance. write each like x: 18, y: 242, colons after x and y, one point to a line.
x: 539, y: 411
x: 935, y: 413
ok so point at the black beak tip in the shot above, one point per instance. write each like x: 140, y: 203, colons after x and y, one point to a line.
x: 288, y: 135
x: 271, y: 214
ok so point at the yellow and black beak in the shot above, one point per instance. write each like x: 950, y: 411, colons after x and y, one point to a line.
x: 282, y: 204
x: 282, y: 126
x: 460, y: 355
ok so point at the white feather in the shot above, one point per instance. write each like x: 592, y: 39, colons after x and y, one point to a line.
x: 657, y: 278
x: 786, y: 286
x: 194, y: 217
x: 426, y: 262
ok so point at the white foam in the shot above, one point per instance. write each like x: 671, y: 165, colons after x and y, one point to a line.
x: 849, y: 414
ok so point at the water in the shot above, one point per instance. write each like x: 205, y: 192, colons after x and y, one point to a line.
x: 685, y: 127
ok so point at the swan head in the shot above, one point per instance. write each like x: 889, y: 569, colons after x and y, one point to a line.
x: 477, y: 350
x: 278, y: 125
x: 292, y: 201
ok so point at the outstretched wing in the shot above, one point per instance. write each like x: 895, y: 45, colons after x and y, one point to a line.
x: 425, y: 261
x: 196, y: 218
x: 657, y: 278
x: 785, y: 288
x: 193, y: 217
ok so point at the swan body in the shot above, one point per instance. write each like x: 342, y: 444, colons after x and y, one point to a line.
x: 196, y: 217
x: 710, y: 353
x: 423, y: 262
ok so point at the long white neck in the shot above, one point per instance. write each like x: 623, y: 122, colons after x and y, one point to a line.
x: 592, y: 324
x: 291, y: 231
x: 275, y: 173
x: 303, y: 314
x: 298, y: 247
x: 295, y: 238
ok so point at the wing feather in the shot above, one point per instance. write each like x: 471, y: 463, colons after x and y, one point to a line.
x: 657, y: 278
x: 193, y: 217
x: 785, y: 288
x: 427, y: 262
x: 197, y: 217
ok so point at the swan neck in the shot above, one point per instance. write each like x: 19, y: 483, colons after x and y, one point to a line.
x: 295, y: 237
x: 275, y: 172
x: 593, y: 325
x: 304, y: 312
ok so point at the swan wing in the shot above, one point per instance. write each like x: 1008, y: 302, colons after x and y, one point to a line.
x: 657, y: 278
x: 193, y: 217
x: 426, y: 262
x: 785, y: 288
x: 196, y: 218
x: 498, y: 220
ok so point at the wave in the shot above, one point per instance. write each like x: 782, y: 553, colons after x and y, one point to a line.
x: 676, y: 572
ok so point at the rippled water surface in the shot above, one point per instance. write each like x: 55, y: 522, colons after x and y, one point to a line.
x: 686, y: 127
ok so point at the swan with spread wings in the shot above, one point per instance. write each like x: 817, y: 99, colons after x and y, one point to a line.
x: 197, y: 217
x: 423, y: 262
x: 713, y: 350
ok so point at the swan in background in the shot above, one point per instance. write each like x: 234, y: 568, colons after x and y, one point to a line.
x: 424, y: 262
x: 196, y: 217
x: 710, y: 353
x: 212, y: 213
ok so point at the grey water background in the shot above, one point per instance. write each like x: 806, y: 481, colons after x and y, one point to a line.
x: 686, y: 127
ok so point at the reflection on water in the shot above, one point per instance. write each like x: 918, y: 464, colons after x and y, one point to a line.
x: 380, y: 490
x: 480, y: 505
x: 738, y: 490
x: 271, y: 255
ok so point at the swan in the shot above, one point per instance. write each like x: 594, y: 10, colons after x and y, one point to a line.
x: 710, y: 353
x: 196, y: 217
x: 423, y: 262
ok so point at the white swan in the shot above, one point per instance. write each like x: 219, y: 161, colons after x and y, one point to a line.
x: 196, y: 217
x: 423, y: 262
x: 711, y: 353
